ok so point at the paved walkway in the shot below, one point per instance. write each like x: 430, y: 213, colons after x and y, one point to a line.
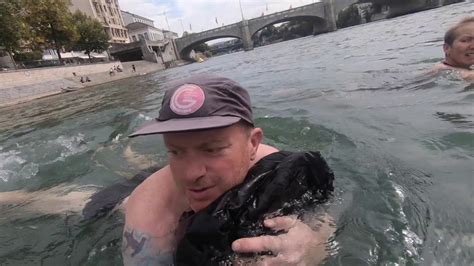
x: 18, y: 94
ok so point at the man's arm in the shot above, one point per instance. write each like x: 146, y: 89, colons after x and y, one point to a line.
x: 152, y: 215
x: 140, y: 248
x: 299, y: 245
x: 468, y: 75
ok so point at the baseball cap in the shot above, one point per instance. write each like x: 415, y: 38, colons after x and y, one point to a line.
x: 200, y: 102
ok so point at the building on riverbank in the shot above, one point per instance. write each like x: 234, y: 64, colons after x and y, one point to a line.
x: 129, y: 18
x: 146, y: 42
x: 106, y: 12
x: 141, y: 28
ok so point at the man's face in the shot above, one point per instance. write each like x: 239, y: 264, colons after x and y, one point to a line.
x: 461, y: 52
x: 206, y: 164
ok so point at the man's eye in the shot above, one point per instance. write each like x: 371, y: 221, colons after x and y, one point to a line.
x: 213, y: 150
x: 172, y: 152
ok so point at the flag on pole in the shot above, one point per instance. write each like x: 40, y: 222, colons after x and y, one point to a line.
x: 190, y: 28
x: 217, y: 22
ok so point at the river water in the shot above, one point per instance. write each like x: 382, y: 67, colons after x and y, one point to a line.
x: 401, y: 146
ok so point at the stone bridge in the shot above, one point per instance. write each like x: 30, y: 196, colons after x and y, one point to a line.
x: 321, y: 14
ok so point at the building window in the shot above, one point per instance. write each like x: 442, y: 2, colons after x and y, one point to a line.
x: 134, y: 38
x: 96, y: 8
x: 146, y: 35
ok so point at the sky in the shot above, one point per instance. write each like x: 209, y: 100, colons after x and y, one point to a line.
x: 201, y: 15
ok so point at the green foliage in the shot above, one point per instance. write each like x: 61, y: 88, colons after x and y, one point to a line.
x: 28, y: 56
x: 348, y: 17
x: 35, y: 25
x: 92, y: 37
x: 202, y: 47
x: 285, y: 31
x: 11, y: 25
x: 50, y: 23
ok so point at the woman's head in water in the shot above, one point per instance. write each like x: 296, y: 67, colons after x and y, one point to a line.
x: 459, y: 44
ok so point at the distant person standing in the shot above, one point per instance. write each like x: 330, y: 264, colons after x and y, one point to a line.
x: 459, y: 50
x: 133, y: 68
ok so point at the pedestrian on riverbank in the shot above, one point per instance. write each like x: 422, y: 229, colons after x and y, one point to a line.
x: 133, y: 68
x: 459, y: 50
x: 111, y: 71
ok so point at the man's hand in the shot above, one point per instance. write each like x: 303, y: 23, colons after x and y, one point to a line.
x: 299, y: 245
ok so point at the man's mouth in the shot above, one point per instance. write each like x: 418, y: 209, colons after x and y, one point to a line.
x: 470, y: 54
x: 200, y: 193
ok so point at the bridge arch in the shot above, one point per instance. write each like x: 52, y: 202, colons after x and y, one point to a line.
x: 316, y: 12
x: 319, y: 24
x: 185, y: 43
x: 184, y: 51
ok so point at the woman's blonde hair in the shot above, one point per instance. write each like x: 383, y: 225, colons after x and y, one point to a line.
x: 450, y: 35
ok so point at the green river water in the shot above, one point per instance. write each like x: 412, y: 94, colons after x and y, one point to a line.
x: 401, y: 146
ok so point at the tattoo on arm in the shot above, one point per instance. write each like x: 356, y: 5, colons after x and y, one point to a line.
x: 140, y: 249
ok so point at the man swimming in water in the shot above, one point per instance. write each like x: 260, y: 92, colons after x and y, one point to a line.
x: 459, y: 50
x: 207, y: 127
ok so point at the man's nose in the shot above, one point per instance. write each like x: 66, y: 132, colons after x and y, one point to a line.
x: 195, y: 169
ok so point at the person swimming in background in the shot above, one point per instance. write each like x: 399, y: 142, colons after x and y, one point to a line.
x: 459, y: 50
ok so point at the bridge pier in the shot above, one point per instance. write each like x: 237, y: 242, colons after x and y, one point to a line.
x: 330, y: 15
x: 246, y: 37
x: 406, y: 7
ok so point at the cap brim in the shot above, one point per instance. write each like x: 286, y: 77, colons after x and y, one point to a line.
x: 185, y: 124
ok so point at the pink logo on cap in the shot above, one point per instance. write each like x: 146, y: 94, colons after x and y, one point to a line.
x: 187, y: 99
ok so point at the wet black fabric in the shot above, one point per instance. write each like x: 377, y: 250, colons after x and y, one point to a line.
x: 283, y: 183
x: 103, y: 201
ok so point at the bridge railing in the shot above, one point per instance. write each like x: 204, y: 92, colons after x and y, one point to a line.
x: 289, y: 11
x: 198, y: 34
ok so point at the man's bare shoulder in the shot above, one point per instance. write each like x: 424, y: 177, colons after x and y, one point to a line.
x: 147, y: 188
x: 264, y: 150
x: 156, y: 199
x: 152, y: 213
x: 440, y: 67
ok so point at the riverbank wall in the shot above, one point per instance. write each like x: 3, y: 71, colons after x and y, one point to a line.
x: 28, y: 84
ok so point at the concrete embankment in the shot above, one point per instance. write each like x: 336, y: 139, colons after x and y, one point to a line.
x: 28, y: 84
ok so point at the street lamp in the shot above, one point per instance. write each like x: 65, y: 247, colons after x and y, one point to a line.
x: 182, y: 27
x: 241, y: 11
x: 166, y: 19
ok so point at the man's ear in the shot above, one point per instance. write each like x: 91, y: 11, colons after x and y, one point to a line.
x: 256, y: 136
